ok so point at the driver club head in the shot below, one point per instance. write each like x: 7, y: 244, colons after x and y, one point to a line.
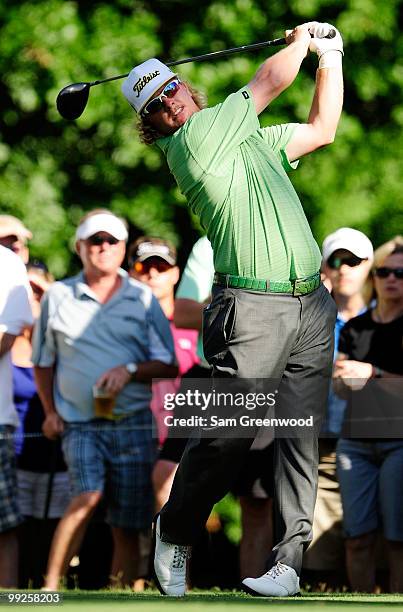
x: 72, y: 99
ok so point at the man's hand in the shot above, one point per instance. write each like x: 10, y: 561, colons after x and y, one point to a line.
x: 322, y: 46
x: 355, y: 374
x: 300, y: 34
x: 53, y: 426
x: 114, y: 380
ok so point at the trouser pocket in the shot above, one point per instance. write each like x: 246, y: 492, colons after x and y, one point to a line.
x: 218, y: 326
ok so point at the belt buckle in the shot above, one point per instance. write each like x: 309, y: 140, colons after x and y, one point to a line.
x: 298, y: 289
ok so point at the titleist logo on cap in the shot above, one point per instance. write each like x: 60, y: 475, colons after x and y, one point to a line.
x: 142, y: 82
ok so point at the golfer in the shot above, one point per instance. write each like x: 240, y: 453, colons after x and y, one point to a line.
x: 270, y: 316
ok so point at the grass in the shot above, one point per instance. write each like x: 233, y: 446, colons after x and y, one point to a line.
x: 218, y: 601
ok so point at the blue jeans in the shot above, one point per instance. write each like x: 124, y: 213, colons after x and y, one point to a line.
x: 370, y: 476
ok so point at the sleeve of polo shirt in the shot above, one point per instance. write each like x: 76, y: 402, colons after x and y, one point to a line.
x: 161, y: 344
x: 15, y: 307
x: 216, y: 132
x: 197, y: 277
x: 43, y: 346
x: 277, y: 137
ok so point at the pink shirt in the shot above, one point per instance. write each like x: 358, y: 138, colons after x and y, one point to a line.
x: 185, y: 343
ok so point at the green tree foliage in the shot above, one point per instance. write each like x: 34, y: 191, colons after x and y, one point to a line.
x: 52, y: 170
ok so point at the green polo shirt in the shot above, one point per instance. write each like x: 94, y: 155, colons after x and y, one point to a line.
x: 233, y: 174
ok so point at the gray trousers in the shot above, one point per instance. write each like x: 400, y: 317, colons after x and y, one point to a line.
x: 274, y: 337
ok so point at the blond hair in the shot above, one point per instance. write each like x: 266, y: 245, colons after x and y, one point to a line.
x: 386, y: 249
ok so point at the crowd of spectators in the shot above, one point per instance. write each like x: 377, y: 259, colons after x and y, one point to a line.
x: 82, y: 428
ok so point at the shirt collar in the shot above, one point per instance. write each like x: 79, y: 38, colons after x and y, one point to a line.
x: 82, y: 289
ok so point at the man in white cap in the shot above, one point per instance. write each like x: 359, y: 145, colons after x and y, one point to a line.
x: 270, y: 317
x: 14, y: 236
x: 102, y: 335
x: 347, y: 259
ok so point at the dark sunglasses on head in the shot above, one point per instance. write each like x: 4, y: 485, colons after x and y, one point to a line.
x: 335, y: 262
x: 385, y: 272
x: 97, y: 240
x: 155, y: 105
x: 144, y: 267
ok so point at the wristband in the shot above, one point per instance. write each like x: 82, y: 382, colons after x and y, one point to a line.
x: 330, y: 59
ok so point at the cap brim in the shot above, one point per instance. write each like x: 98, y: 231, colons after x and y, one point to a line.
x: 102, y: 223
x: 149, y: 254
x: 337, y: 246
x: 12, y: 231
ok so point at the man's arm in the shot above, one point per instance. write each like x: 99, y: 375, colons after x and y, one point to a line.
x: 327, y: 103
x: 279, y: 71
x: 115, y: 379
x: 188, y: 314
x: 6, y: 342
x: 52, y: 426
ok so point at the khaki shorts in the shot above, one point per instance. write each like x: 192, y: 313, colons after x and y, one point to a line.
x: 327, y: 549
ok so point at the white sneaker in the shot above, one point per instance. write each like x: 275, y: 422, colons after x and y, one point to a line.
x: 170, y: 561
x: 280, y: 581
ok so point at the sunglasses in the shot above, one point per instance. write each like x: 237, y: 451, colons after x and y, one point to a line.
x: 144, y: 267
x: 97, y: 240
x: 155, y: 105
x: 385, y: 272
x: 335, y: 262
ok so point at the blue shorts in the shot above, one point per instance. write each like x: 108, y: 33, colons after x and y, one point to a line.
x: 115, y: 458
x: 370, y: 476
x: 9, y: 511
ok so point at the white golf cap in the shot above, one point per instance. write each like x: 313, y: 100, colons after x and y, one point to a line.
x: 349, y: 239
x: 102, y: 222
x: 144, y: 80
x: 11, y: 226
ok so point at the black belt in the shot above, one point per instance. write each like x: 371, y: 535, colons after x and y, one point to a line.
x: 299, y: 286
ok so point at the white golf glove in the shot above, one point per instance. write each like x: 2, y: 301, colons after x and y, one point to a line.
x: 329, y: 50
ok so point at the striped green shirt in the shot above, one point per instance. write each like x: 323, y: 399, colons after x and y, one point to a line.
x: 233, y: 174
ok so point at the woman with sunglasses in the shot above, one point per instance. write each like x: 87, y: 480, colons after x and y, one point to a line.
x: 369, y: 373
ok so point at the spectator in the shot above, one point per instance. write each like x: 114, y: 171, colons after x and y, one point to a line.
x: 101, y: 329
x: 368, y: 371
x: 43, y: 483
x: 347, y: 259
x: 14, y: 236
x: 15, y: 314
x: 153, y: 261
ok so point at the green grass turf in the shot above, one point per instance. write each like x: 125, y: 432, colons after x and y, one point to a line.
x: 210, y: 601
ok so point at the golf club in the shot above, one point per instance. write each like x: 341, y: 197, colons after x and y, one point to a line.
x: 72, y: 99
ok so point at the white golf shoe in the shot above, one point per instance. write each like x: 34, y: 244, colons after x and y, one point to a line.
x: 170, y: 561
x: 280, y: 581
